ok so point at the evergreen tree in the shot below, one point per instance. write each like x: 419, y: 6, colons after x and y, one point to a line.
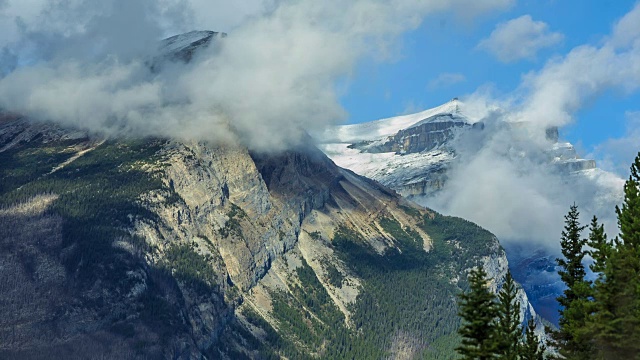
x: 600, y: 252
x: 531, y: 348
x: 600, y: 247
x: 508, y: 329
x: 478, y: 310
x: 570, y: 339
x: 616, y: 321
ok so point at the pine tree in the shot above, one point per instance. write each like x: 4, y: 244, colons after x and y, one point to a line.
x: 508, y: 329
x: 571, y: 340
x: 601, y: 250
x: 600, y: 247
x: 616, y: 321
x: 478, y: 310
x: 531, y: 349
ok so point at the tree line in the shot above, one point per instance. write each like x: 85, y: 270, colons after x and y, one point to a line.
x: 492, y: 327
x: 599, y: 318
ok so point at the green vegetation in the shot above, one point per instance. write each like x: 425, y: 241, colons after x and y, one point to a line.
x: 479, y: 309
x: 408, y: 237
x: 334, y: 276
x: 227, y: 344
x: 233, y: 226
x: 98, y: 198
x: 397, y: 299
x: 309, y: 320
x: 29, y: 162
x: 398, y: 294
x: 406, y: 293
x: 598, y: 319
x: 98, y: 205
x: 191, y: 268
x: 491, y: 328
x: 569, y: 338
x: 531, y: 349
x: 272, y: 337
x: 508, y: 324
x: 415, y: 213
x: 601, y: 319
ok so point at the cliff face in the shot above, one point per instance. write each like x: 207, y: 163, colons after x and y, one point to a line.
x: 423, y: 136
x: 156, y: 248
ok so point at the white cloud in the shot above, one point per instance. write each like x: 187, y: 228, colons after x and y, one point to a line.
x: 552, y: 95
x: 519, y: 38
x: 82, y: 63
x: 504, y: 179
x: 523, y: 199
x: 626, y: 31
x: 446, y: 79
x: 617, y: 154
x: 471, y: 9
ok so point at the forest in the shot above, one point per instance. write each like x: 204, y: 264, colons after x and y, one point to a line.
x: 599, y: 319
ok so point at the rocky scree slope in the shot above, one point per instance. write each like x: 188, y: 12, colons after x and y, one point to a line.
x: 154, y: 248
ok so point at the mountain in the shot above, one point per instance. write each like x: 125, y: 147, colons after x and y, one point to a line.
x: 439, y: 156
x: 412, y: 153
x: 127, y: 248
x: 158, y: 248
x: 182, y: 48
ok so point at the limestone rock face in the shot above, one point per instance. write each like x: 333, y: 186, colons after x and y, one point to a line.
x: 155, y: 248
x: 189, y: 240
x: 426, y: 135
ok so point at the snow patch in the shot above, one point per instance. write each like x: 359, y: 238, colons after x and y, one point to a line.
x: 387, y: 127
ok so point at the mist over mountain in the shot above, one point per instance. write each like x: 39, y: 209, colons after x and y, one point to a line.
x: 128, y: 248
x: 168, y: 192
x: 273, y: 78
x: 138, y: 241
x: 514, y: 178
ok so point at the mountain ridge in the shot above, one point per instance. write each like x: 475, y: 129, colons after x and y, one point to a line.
x: 185, y: 247
x: 159, y: 248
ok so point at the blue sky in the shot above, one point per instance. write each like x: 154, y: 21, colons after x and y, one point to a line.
x: 448, y: 45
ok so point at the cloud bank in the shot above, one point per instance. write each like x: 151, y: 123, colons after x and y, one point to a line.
x: 519, y: 38
x: 617, y: 154
x: 564, y: 84
x: 507, y: 182
x: 505, y: 179
x: 84, y: 63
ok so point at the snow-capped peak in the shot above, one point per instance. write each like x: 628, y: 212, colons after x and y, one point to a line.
x: 390, y: 126
x: 179, y: 42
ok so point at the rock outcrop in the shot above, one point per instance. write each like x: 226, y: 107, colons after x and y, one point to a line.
x: 160, y: 248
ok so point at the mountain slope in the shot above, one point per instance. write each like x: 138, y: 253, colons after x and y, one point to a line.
x: 155, y: 248
x: 492, y: 170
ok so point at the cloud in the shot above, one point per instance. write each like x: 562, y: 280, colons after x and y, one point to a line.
x: 552, y: 95
x: 471, y: 9
x: 506, y: 181
x: 83, y: 63
x: 519, y: 38
x: 626, y: 31
x: 446, y: 79
x: 617, y: 154
x: 504, y: 178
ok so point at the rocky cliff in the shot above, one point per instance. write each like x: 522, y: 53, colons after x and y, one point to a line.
x: 154, y: 248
